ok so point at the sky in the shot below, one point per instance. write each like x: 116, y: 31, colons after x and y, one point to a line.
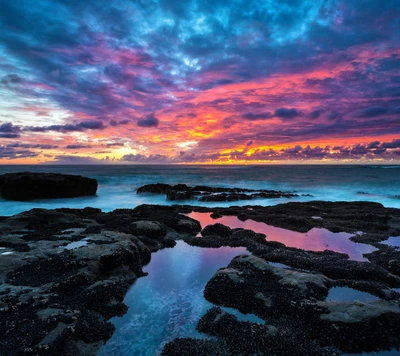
x: 168, y: 81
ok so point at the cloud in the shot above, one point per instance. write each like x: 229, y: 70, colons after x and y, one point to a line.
x: 190, y: 115
x: 313, y: 60
x: 285, y: 113
x: 119, y: 123
x: 10, y: 79
x: 29, y: 145
x: 334, y: 115
x: 371, y: 112
x: 8, y: 130
x: 11, y: 153
x: 149, y: 121
x: 260, y: 116
x: 392, y: 144
x: 69, y: 159
x: 77, y: 146
x: 315, y: 114
x: 115, y: 144
x: 82, y: 126
x: 139, y: 158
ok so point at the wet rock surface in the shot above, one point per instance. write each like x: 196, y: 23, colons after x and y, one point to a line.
x: 28, y: 186
x: 68, y: 270
x: 57, y: 293
x: 211, y: 194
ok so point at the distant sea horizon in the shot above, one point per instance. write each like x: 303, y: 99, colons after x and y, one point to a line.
x: 118, y: 183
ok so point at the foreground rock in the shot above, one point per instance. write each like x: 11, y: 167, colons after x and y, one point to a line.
x: 215, y: 194
x: 294, y: 301
x: 28, y: 186
x: 64, y: 273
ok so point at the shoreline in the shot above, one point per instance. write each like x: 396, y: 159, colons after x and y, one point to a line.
x: 69, y: 294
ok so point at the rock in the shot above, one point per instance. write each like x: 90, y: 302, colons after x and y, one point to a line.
x: 252, y: 285
x: 225, y: 197
x: 69, y: 270
x: 248, y: 338
x: 215, y: 194
x: 194, y: 347
x: 28, y: 186
x: 352, y: 327
x: 217, y: 229
x: 152, y: 229
x: 158, y: 188
x: 358, y: 312
x: 179, y: 195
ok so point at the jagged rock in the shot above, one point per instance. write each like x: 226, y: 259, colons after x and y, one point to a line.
x: 215, y: 194
x: 28, y: 186
x: 252, y: 285
x: 217, y: 229
x: 152, y: 229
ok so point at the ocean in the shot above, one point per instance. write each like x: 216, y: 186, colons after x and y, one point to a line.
x: 118, y: 184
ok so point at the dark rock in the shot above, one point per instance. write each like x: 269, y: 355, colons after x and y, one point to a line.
x: 179, y: 195
x: 215, y: 194
x: 152, y: 229
x: 57, y: 301
x: 252, y: 285
x: 194, y: 347
x: 106, y: 297
x: 352, y: 326
x: 28, y: 186
x: 122, y: 256
x: 45, y: 270
x: 248, y: 338
x: 225, y: 197
x: 158, y: 188
x: 217, y: 229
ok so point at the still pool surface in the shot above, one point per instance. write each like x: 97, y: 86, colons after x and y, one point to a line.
x: 169, y: 302
x: 313, y: 240
x: 346, y: 294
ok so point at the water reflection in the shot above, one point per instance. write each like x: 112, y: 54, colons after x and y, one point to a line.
x: 168, y: 302
x: 346, y: 294
x: 314, y: 240
x: 392, y: 241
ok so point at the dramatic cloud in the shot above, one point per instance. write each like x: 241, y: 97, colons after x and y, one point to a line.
x: 149, y: 121
x: 8, y: 130
x: 261, y: 116
x: 82, y: 126
x: 372, y: 112
x: 141, y: 80
x: 286, y: 113
x: 77, y: 146
x: 315, y: 114
x: 28, y: 145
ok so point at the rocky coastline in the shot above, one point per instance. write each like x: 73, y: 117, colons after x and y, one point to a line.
x: 210, y: 194
x: 64, y: 274
x: 25, y: 186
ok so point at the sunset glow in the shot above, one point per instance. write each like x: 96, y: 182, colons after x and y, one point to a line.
x: 199, y: 82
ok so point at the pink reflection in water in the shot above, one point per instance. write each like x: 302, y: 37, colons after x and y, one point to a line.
x: 314, y: 240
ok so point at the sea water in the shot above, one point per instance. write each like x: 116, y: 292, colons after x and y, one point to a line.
x: 169, y: 302
x: 118, y: 184
x: 316, y: 239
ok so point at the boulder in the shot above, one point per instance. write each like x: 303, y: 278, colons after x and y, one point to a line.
x: 217, y: 229
x: 152, y: 229
x: 28, y: 186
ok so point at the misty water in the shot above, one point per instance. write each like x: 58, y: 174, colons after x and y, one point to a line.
x: 118, y: 184
x: 169, y: 302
